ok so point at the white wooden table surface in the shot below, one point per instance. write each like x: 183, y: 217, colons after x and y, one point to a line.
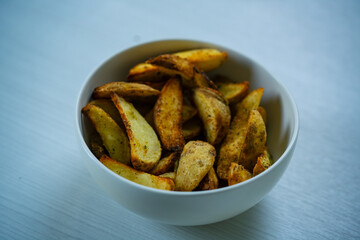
x: 48, y: 48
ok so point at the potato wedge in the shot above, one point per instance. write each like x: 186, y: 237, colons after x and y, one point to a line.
x: 144, y: 143
x: 127, y: 90
x: 231, y: 146
x: 238, y: 174
x: 188, y: 112
x: 263, y: 113
x: 96, y: 145
x: 168, y: 116
x: 170, y: 175
x: 205, y: 59
x: 146, y: 72
x: 136, y: 176
x: 214, y: 113
x: 165, y: 164
x: 113, y: 137
x: 263, y: 162
x: 191, y: 76
x: 255, y: 140
x: 192, y: 129
x: 210, y: 181
x: 156, y: 85
x: 232, y: 92
x: 195, y: 162
x: 108, y: 106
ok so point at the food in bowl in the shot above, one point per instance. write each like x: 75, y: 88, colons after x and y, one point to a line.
x: 197, y: 134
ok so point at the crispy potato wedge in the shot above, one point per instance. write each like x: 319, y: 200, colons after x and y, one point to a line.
x: 165, y: 164
x: 144, y: 143
x: 146, y: 72
x: 139, y: 177
x: 209, y: 182
x: 263, y: 113
x: 191, y: 76
x: 237, y: 174
x: 231, y: 146
x: 170, y: 175
x: 127, y: 90
x: 232, y: 92
x: 205, y: 59
x: 192, y: 129
x: 108, y: 106
x: 195, y: 162
x: 113, y: 137
x: 255, y: 140
x: 168, y: 116
x: 156, y: 85
x: 214, y: 113
x: 188, y: 112
x: 263, y: 162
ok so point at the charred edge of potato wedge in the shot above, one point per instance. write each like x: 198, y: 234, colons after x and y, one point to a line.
x: 168, y: 116
x: 136, y: 176
x: 145, y: 145
x: 232, y: 144
x: 195, y: 162
x: 113, y: 137
x: 237, y: 174
x: 127, y: 90
x: 214, y: 113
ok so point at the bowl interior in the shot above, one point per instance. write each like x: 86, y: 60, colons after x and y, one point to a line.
x: 282, y: 113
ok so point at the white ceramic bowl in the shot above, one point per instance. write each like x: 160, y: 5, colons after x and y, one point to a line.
x: 203, y: 207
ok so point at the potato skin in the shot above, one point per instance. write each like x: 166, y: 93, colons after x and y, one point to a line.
x: 214, y: 113
x: 112, y: 136
x: 195, y: 162
x: 168, y: 116
x: 165, y: 164
x: 136, y: 176
x: 209, y: 182
x: 263, y: 162
x: 144, y: 143
x: 127, y: 90
x: 231, y: 147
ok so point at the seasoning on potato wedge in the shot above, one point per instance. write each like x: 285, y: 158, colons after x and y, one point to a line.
x: 165, y: 164
x: 127, y: 90
x: 232, y: 92
x: 231, y: 147
x: 168, y: 116
x: 264, y: 161
x: 113, y: 137
x: 237, y: 174
x: 144, y: 143
x: 195, y: 162
x: 139, y: 177
x: 210, y: 181
x: 214, y: 113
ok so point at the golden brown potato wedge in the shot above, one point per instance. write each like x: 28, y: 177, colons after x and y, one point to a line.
x: 168, y: 116
x: 210, y: 181
x: 170, y: 175
x: 263, y: 113
x: 232, y: 92
x: 145, y: 145
x: 165, y: 164
x: 214, y: 113
x: 156, y: 85
x: 108, y: 106
x: 238, y: 174
x: 146, y: 72
x: 139, y: 177
x: 231, y: 146
x: 113, y: 137
x: 191, y: 76
x: 127, y: 90
x: 205, y: 59
x: 192, y: 129
x: 254, y: 142
x: 264, y: 161
x: 195, y: 162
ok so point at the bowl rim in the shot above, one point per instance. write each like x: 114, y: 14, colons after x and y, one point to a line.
x: 79, y: 133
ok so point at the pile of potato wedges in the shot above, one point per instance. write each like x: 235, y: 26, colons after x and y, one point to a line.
x: 169, y: 126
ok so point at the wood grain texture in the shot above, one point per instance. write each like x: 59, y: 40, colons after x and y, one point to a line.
x: 47, y: 49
